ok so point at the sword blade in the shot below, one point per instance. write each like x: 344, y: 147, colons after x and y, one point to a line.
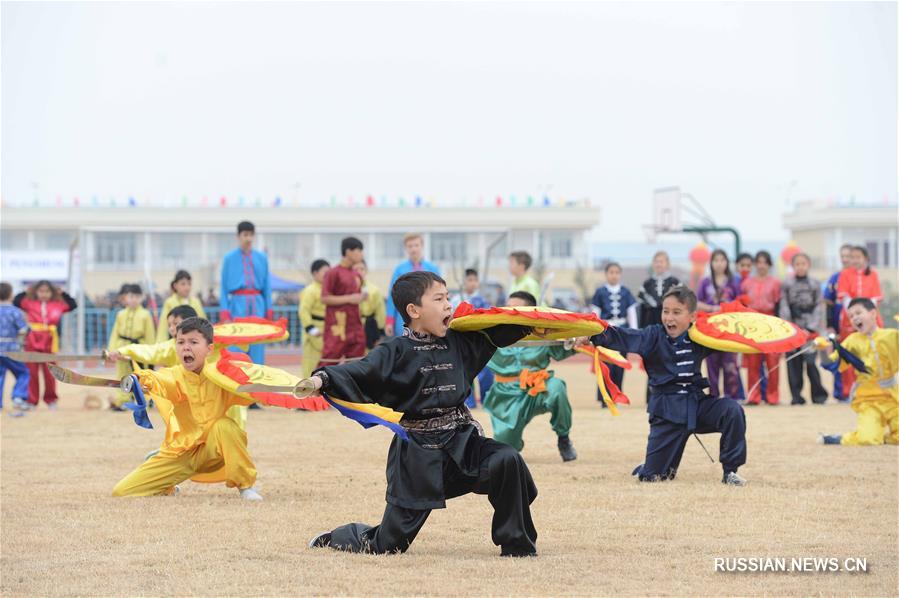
x: 69, y: 377
x: 36, y: 357
x: 265, y: 388
x: 303, y: 388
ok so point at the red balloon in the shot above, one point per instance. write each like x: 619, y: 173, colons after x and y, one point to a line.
x: 789, y: 251
x: 700, y: 254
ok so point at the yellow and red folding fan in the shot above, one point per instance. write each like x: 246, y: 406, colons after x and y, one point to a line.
x: 557, y: 323
x: 251, y: 330
x: 739, y: 329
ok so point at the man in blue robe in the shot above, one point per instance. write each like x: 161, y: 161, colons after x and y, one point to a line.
x: 246, y: 285
x: 415, y: 245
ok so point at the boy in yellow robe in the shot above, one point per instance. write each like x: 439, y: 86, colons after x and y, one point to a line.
x: 181, y: 295
x: 133, y: 325
x: 875, y: 394
x: 200, y: 438
x: 373, y: 309
x: 312, y: 317
x: 165, y: 354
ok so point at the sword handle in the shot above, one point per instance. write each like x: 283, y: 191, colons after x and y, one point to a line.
x: 127, y: 383
x: 304, y: 388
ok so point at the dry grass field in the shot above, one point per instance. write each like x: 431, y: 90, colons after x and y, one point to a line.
x: 600, y: 532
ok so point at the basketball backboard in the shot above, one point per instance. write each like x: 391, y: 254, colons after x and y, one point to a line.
x: 666, y: 204
x: 666, y: 213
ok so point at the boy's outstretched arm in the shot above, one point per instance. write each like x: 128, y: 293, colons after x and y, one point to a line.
x: 624, y: 340
x: 363, y: 381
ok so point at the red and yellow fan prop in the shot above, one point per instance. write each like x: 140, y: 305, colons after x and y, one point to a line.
x: 739, y: 329
x: 251, y: 330
x: 558, y: 323
x: 235, y: 369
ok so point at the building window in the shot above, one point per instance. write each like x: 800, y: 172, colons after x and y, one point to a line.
x: 449, y: 247
x: 330, y: 246
x: 220, y: 244
x: 390, y: 247
x: 14, y: 240
x: 523, y: 240
x: 115, y: 249
x: 560, y: 245
x: 57, y: 240
x: 873, y: 248
x: 289, y: 251
x: 172, y: 249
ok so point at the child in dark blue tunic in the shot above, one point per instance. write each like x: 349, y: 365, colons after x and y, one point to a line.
x: 615, y: 304
x: 676, y: 404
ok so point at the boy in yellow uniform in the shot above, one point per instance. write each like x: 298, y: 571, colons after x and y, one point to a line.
x: 200, y: 438
x: 165, y: 354
x: 312, y: 317
x: 875, y: 394
x: 373, y: 309
x: 133, y: 325
x: 162, y: 353
x: 181, y: 287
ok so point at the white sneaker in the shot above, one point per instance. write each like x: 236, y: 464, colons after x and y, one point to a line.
x: 21, y: 404
x: 732, y: 479
x: 250, y: 494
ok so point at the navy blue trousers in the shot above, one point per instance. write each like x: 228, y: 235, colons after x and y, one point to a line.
x: 20, y: 390
x: 668, y: 439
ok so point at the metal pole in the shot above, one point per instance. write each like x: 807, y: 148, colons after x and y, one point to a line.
x: 82, y: 317
x: 717, y: 229
x: 499, y: 239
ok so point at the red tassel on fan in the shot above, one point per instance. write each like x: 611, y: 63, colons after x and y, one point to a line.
x: 617, y: 395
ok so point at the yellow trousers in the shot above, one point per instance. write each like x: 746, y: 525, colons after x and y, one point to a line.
x: 873, y: 417
x: 312, y: 353
x: 226, y: 445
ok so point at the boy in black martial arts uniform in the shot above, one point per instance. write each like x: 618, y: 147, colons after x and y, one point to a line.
x: 677, y: 405
x: 427, y: 374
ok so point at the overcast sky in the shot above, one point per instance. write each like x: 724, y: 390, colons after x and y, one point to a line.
x: 743, y: 105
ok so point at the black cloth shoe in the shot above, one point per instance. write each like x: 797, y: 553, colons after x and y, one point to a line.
x: 321, y: 541
x: 566, y: 449
x: 254, y: 406
x: 829, y: 439
x: 517, y: 554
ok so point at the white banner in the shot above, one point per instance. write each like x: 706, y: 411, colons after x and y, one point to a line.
x: 23, y: 266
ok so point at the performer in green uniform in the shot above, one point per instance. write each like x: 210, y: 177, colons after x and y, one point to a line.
x: 524, y: 388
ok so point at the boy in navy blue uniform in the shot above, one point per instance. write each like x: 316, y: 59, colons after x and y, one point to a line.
x: 677, y: 405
